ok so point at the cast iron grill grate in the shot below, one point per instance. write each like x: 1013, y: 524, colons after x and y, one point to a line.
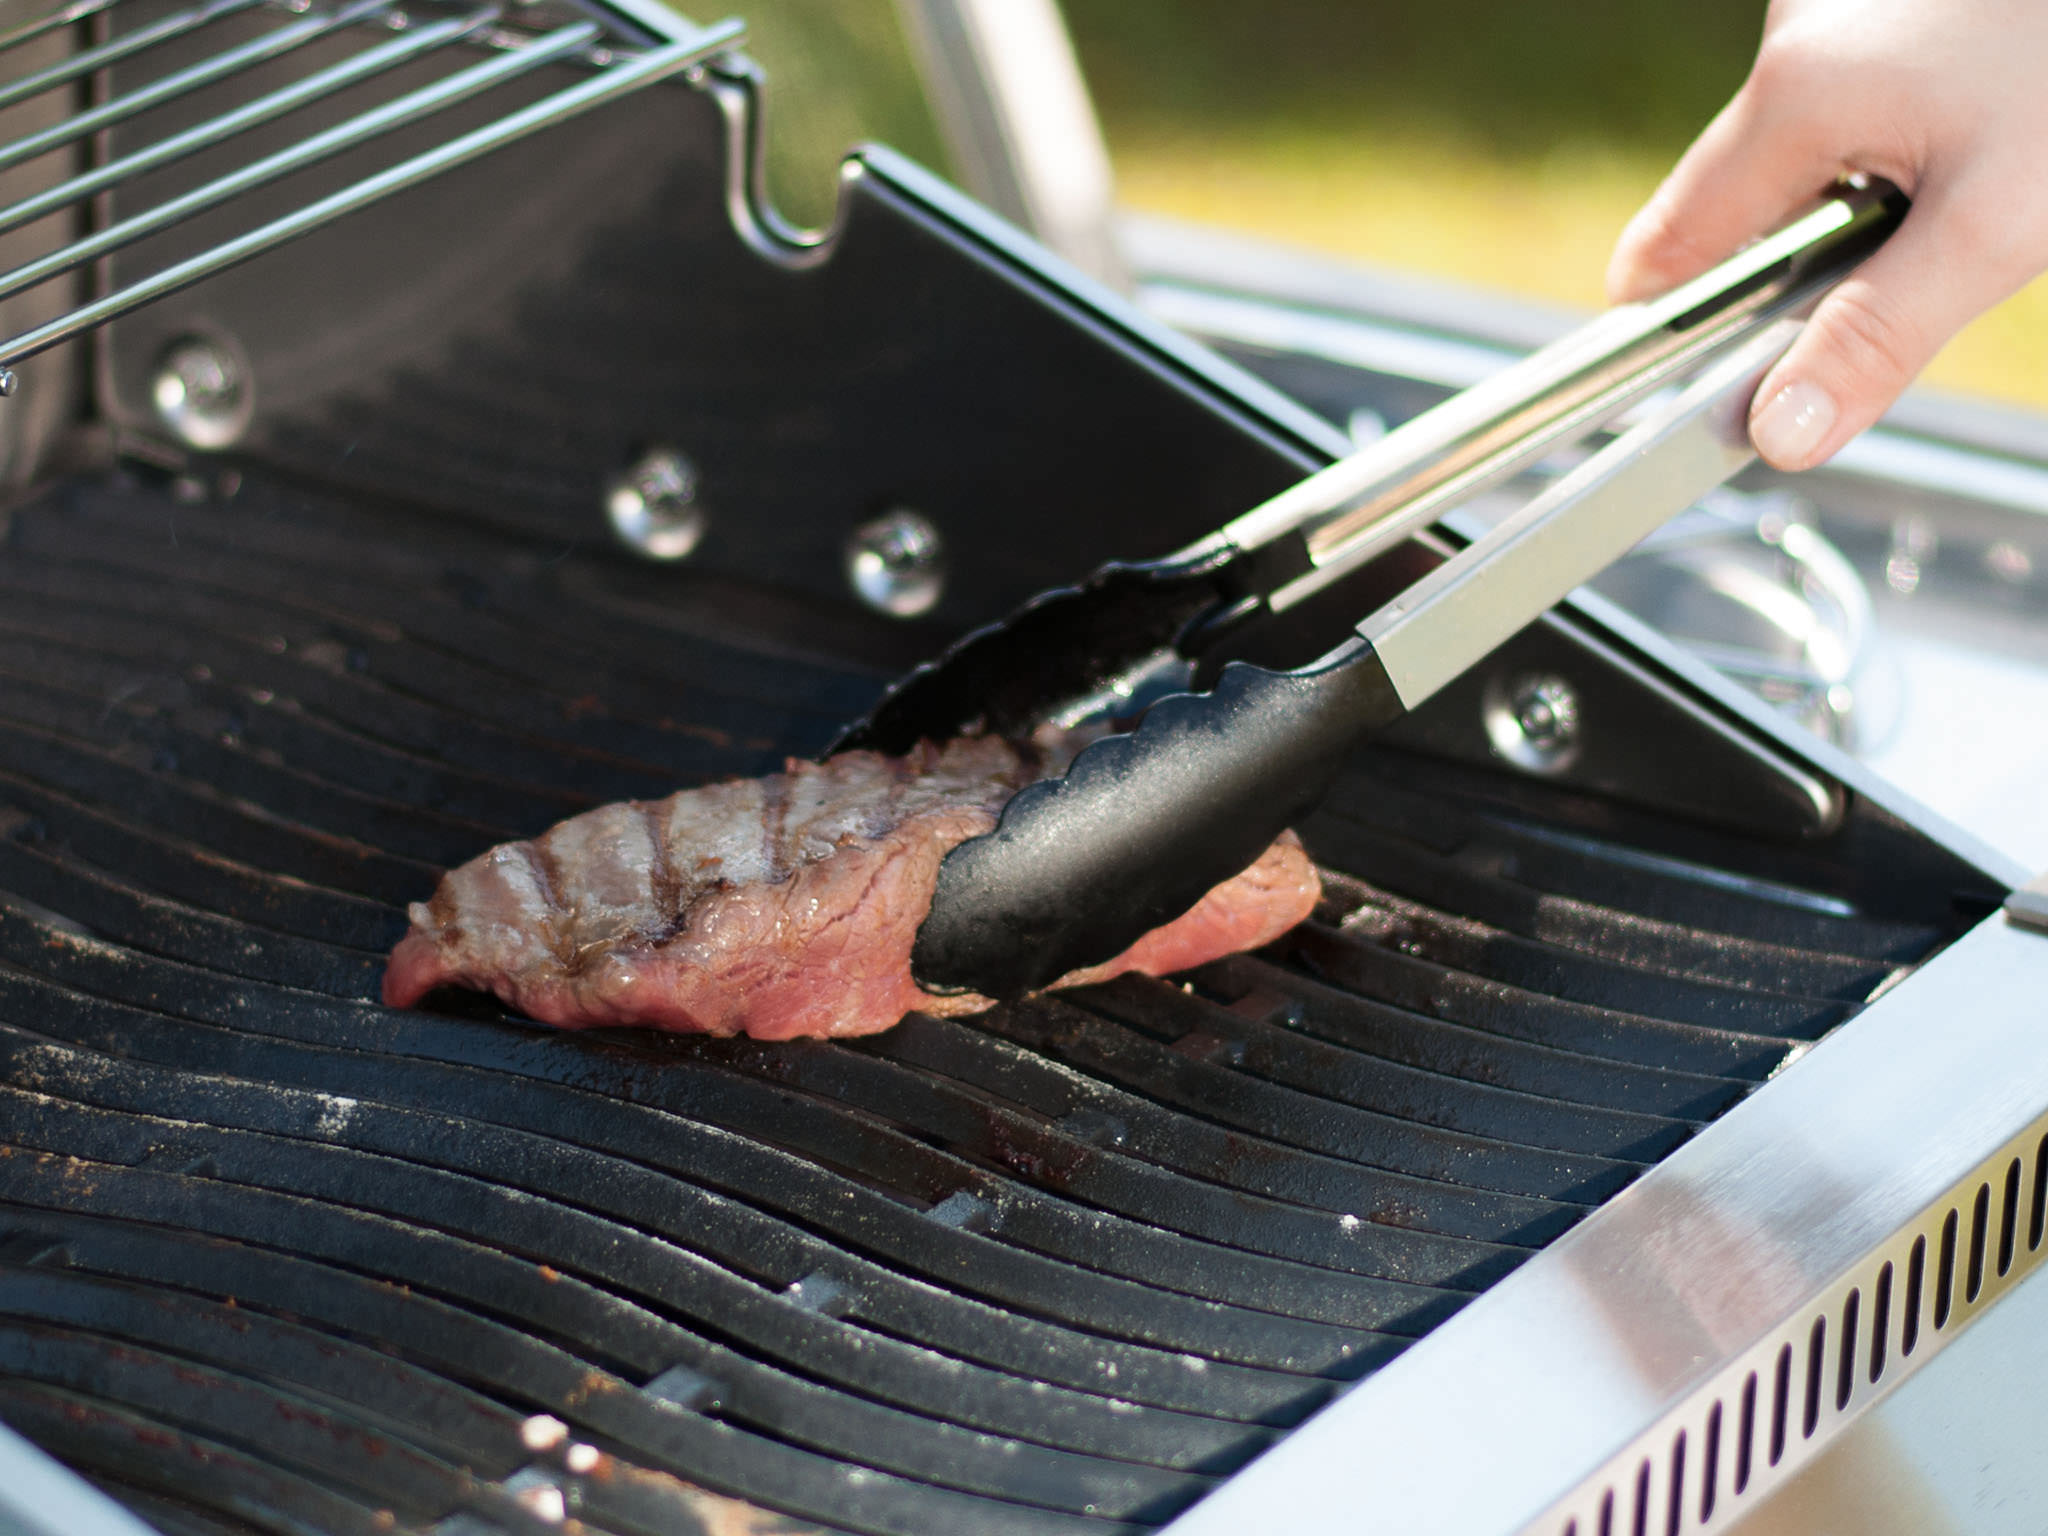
x: 275, y: 1258
x: 185, y: 91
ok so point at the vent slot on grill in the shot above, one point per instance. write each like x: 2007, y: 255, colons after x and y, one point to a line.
x: 229, y: 83
x: 1822, y: 1364
x: 1057, y: 1268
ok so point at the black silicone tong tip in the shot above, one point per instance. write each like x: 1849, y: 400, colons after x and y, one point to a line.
x: 1144, y: 824
x: 1007, y: 679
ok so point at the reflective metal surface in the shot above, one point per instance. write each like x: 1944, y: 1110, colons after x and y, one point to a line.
x: 1957, y: 1452
x: 1526, y: 1398
x: 203, y: 392
x: 307, y: 88
x: 39, y: 1496
x: 897, y: 563
x: 1460, y: 612
x: 1750, y: 583
x: 1008, y: 92
x: 1415, y: 474
x: 653, y: 506
x: 1534, y: 721
x: 2029, y: 904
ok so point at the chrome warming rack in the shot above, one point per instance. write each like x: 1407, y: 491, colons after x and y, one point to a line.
x: 622, y: 46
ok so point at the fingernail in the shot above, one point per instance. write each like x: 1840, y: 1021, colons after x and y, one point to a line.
x: 1790, y: 427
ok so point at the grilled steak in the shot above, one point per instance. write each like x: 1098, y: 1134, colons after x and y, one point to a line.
x: 777, y: 907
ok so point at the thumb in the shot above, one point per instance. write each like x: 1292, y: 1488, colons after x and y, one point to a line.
x: 1872, y: 334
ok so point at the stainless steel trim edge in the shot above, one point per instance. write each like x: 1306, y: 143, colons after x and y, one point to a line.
x: 40, y: 1496
x: 2029, y: 904
x: 1611, y: 1371
x: 1460, y: 612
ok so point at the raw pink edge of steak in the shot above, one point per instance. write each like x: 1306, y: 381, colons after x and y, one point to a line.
x: 851, y: 974
x: 1247, y: 911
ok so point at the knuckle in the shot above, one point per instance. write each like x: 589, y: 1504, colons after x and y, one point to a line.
x: 1663, y: 240
x: 1782, y: 64
x: 1791, y: 103
x: 1794, y: 61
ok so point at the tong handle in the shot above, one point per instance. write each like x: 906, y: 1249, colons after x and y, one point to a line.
x: 1347, y: 514
x: 1589, y: 518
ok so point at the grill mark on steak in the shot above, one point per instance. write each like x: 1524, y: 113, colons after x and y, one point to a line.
x: 775, y: 798
x: 540, y: 859
x: 666, y: 884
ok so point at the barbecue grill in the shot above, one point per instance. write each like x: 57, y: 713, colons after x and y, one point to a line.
x: 1627, y: 1123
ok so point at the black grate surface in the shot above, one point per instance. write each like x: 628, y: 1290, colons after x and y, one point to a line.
x: 275, y: 1258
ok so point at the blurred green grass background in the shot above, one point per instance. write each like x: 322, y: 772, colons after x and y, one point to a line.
x: 1496, y: 142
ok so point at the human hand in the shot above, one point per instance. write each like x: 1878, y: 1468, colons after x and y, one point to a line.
x: 1945, y: 98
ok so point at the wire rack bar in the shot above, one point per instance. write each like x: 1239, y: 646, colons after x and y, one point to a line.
x: 268, y: 46
x: 612, y: 46
x: 299, y: 93
x: 357, y: 130
x: 617, y: 80
x: 43, y: 26
x: 124, y: 47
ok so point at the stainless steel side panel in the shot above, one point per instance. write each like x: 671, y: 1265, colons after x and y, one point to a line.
x: 1743, y: 1259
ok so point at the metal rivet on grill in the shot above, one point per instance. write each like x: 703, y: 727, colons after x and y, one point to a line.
x: 653, y: 506
x: 202, y: 393
x: 897, y: 563
x: 1533, y: 721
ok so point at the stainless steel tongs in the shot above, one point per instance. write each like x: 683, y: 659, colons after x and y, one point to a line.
x: 1145, y: 822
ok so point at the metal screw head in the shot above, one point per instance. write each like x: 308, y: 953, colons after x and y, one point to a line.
x: 653, y: 506
x: 897, y: 563
x: 202, y: 393
x: 1533, y: 721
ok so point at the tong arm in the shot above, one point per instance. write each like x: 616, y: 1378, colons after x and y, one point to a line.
x: 1077, y: 649
x: 1361, y: 506
x: 1581, y: 524
x: 1143, y: 824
